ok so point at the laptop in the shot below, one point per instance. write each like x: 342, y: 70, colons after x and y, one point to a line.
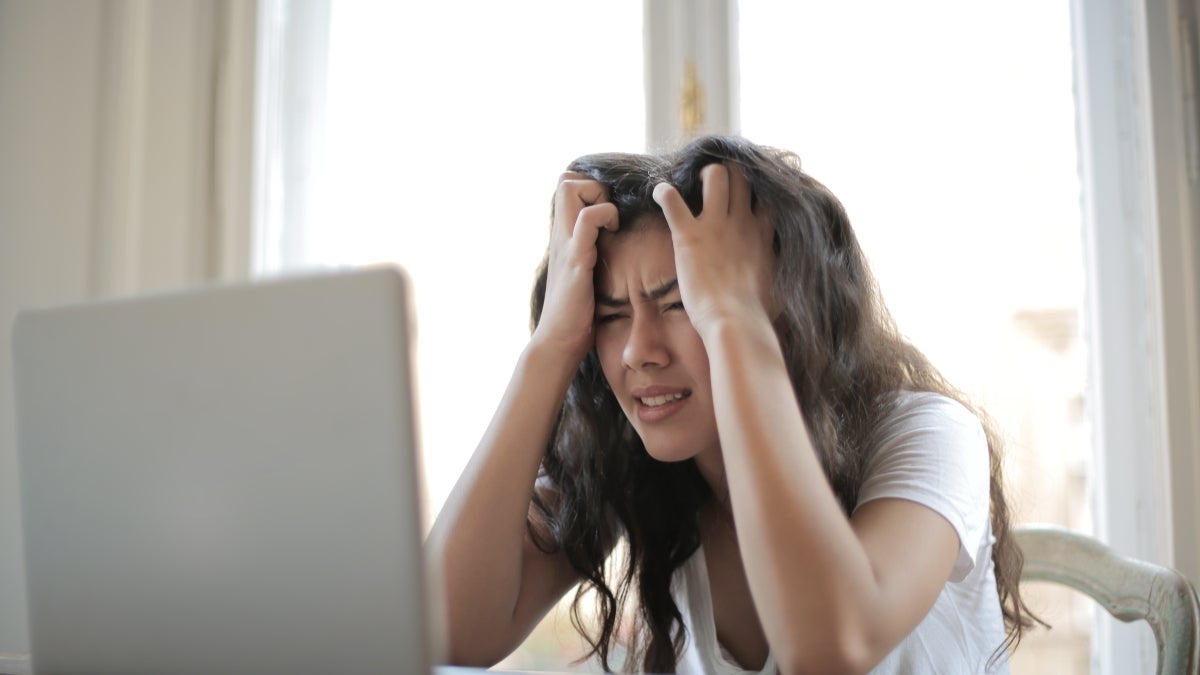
x: 224, y: 480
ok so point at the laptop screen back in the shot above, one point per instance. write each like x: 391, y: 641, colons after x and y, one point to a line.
x: 223, y: 481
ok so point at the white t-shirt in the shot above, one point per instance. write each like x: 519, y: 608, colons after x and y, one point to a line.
x: 931, y: 450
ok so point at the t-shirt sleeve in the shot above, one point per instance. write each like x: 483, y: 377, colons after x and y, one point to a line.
x: 932, y: 450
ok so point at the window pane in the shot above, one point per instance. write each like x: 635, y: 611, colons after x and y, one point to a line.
x: 446, y: 126
x: 947, y: 129
x: 445, y: 133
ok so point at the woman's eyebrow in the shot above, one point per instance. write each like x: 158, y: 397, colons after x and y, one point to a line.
x: 661, y: 292
x: 657, y: 293
x: 609, y: 301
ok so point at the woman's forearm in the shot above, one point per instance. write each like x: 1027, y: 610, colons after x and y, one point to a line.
x: 478, y: 539
x: 811, y: 579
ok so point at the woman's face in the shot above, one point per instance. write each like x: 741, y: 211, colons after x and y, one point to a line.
x: 652, y: 357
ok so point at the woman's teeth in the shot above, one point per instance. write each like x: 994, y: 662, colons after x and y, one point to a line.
x: 655, y: 401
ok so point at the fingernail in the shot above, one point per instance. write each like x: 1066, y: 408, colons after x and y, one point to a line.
x: 660, y: 189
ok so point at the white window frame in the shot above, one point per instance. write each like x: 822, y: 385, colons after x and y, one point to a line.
x: 1141, y: 201
x: 679, y: 32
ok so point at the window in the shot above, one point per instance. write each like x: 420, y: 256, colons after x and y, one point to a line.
x: 389, y: 98
x: 948, y: 131
x: 432, y: 135
x: 437, y: 145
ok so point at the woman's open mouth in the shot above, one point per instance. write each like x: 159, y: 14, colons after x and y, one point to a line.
x: 659, y: 406
x: 656, y: 401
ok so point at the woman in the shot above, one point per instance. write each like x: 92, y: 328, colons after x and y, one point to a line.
x: 713, y: 379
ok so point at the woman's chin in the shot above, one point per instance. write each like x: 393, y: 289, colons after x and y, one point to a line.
x: 668, y: 453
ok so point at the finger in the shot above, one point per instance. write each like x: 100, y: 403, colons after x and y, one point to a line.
x: 589, y: 190
x: 739, y: 190
x: 582, y: 246
x: 591, y: 220
x: 714, y: 189
x: 673, y: 206
x: 572, y: 195
x: 558, y: 204
x: 602, y: 216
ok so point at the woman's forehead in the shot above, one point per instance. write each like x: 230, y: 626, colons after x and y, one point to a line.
x: 632, y: 229
x: 646, y: 221
x: 642, y: 257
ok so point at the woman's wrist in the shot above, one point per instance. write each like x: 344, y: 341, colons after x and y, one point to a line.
x: 742, y: 325
x: 551, y: 360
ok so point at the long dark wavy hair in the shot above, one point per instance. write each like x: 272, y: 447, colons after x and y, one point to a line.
x: 846, y: 361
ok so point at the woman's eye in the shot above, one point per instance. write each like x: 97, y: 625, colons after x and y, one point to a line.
x: 675, y: 305
x: 607, y: 318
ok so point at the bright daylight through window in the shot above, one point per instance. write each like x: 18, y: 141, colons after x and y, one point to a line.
x: 951, y: 141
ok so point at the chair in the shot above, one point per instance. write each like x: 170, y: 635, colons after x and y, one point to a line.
x: 1129, y: 589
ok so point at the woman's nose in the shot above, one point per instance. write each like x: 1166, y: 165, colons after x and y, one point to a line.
x: 646, y: 345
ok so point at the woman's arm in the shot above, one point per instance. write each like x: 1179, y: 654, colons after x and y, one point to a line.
x: 498, y: 584
x: 833, y: 595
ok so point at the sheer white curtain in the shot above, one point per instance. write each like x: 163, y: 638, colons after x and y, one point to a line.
x: 293, y: 59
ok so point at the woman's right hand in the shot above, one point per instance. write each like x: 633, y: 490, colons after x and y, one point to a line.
x: 497, y: 582
x: 581, y: 210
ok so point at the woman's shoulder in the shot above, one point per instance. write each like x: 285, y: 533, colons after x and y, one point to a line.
x: 908, y: 402
x: 926, y: 414
x: 933, y: 450
x: 930, y: 442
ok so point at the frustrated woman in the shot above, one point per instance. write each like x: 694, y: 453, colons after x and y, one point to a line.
x: 713, y: 379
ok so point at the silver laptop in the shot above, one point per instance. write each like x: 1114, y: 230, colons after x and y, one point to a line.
x: 224, y: 481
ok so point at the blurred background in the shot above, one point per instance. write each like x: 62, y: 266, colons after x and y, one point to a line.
x: 1022, y: 175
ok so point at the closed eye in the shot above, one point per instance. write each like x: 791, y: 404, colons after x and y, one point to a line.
x: 608, y: 318
x: 675, y: 305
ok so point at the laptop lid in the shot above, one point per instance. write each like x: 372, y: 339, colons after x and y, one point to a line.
x: 224, y: 480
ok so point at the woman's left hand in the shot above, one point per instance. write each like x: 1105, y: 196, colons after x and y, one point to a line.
x: 723, y: 257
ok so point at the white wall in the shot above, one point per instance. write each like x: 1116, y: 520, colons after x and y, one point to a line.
x: 123, y: 156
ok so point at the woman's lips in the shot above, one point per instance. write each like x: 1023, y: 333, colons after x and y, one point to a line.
x: 655, y: 404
